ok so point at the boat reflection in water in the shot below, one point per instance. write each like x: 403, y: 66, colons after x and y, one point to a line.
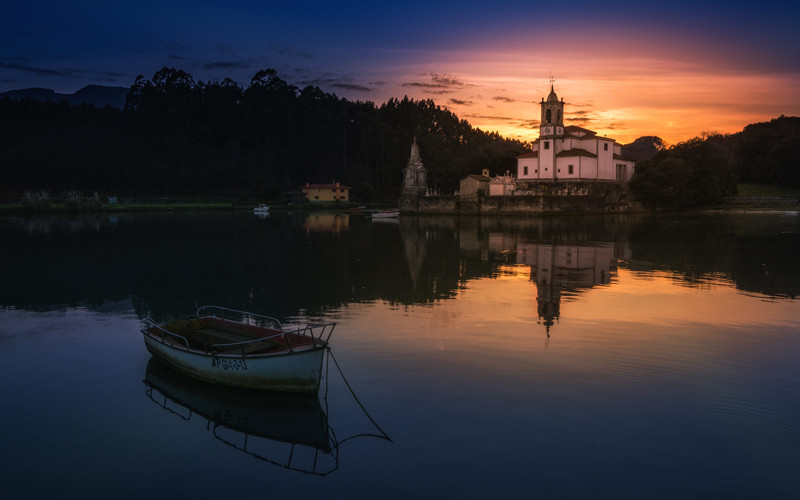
x: 285, y: 429
x: 288, y: 425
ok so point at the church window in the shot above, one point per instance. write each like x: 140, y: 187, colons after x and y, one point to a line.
x: 546, y: 144
x: 549, y: 116
x: 524, y: 170
x: 558, y: 116
x: 570, y: 168
x: 605, y: 146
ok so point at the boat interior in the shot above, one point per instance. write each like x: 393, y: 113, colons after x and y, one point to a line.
x: 222, y: 336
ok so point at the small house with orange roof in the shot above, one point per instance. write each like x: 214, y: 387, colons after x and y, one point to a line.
x: 321, y: 193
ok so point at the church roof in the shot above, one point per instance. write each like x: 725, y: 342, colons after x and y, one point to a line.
x: 575, y: 130
x: 533, y: 154
x: 552, y: 97
x: 479, y: 177
x: 576, y: 152
x: 620, y: 157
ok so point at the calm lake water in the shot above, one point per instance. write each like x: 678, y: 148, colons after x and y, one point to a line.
x: 567, y: 357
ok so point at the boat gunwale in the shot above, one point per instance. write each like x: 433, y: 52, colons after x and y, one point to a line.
x: 207, y: 354
x: 217, y: 350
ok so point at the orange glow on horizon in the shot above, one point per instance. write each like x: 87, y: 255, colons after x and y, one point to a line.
x: 623, y: 98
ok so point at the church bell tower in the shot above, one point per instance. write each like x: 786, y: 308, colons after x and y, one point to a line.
x: 552, y: 122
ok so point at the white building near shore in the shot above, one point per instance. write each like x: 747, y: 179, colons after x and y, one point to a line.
x: 571, y: 153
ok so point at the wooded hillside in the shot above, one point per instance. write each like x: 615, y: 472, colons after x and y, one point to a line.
x: 180, y: 137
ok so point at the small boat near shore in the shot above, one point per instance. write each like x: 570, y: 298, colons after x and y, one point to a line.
x: 384, y: 214
x: 262, y: 209
x: 251, y: 351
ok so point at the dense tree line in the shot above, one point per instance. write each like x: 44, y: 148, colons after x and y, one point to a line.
x: 769, y: 152
x: 178, y: 137
x: 693, y: 173
x: 706, y: 169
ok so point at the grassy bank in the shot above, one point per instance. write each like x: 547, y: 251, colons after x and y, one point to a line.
x: 156, y: 206
x: 767, y: 190
x: 118, y: 207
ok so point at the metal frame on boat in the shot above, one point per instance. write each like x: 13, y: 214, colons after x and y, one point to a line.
x: 256, y: 352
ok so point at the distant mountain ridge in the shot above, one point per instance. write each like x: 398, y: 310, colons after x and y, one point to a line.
x: 98, y: 95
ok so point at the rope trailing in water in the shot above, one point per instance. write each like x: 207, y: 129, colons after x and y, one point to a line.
x: 383, y: 434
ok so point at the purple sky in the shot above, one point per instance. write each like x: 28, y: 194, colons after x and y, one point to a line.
x: 625, y: 69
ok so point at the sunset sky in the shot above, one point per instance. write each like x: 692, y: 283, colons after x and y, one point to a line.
x: 624, y: 69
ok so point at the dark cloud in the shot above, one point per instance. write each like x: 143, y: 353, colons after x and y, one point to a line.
x: 36, y: 71
x: 228, y: 65
x: 434, y: 88
x: 337, y: 83
x: 461, y: 102
x: 176, y: 57
x: 351, y: 86
x: 581, y: 118
x: 446, y: 80
x: 439, y: 84
x: 620, y: 125
x: 504, y: 99
x: 111, y: 74
x: 291, y: 51
x: 87, y: 74
x: 486, y: 117
x: 531, y: 124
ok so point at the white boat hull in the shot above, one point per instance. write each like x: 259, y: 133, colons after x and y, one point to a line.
x: 298, y: 371
x: 385, y: 215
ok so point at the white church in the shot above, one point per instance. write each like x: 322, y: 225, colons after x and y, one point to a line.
x: 571, y: 153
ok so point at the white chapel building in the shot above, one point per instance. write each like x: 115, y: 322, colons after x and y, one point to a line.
x: 571, y: 153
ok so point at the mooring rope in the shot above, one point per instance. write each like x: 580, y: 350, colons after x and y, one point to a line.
x: 384, y: 435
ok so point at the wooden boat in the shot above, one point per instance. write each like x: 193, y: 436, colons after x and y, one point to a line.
x: 251, y: 351
x: 262, y: 209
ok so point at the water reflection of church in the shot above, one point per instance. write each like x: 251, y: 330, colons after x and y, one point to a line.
x: 559, y: 268
x: 562, y: 267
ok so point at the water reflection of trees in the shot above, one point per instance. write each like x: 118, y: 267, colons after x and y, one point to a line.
x: 168, y: 264
x: 755, y: 251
